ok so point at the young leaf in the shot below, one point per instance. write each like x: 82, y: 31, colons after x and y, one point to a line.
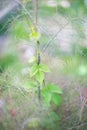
x: 39, y: 76
x: 33, y: 70
x: 54, y: 88
x: 46, y: 97
x: 30, y: 84
x: 46, y: 89
x: 56, y: 99
x: 44, y: 68
x: 34, y: 35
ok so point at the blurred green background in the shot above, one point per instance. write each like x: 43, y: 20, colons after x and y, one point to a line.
x: 63, y: 28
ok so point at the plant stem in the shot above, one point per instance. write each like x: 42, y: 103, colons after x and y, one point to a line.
x: 38, y: 53
x: 39, y: 93
x: 35, y: 13
x: 35, y: 2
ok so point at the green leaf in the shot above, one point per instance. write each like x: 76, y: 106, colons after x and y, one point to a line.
x: 54, y: 116
x: 35, y: 35
x: 33, y: 70
x: 39, y: 76
x: 56, y: 99
x: 44, y: 68
x: 54, y: 88
x: 46, y: 97
x: 30, y: 84
x: 52, y: 93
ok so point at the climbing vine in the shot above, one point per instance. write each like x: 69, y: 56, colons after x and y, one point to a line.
x: 46, y: 92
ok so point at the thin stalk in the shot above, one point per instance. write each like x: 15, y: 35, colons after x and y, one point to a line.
x: 38, y: 53
x: 35, y: 3
x: 39, y: 93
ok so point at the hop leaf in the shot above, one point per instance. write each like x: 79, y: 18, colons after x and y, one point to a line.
x: 40, y: 76
x: 34, y: 34
x: 44, y: 68
x: 51, y: 88
x: 52, y: 93
x: 56, y: 98
x: 33, y: 70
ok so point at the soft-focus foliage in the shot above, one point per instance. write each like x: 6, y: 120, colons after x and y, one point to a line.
x: 62, y: 33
